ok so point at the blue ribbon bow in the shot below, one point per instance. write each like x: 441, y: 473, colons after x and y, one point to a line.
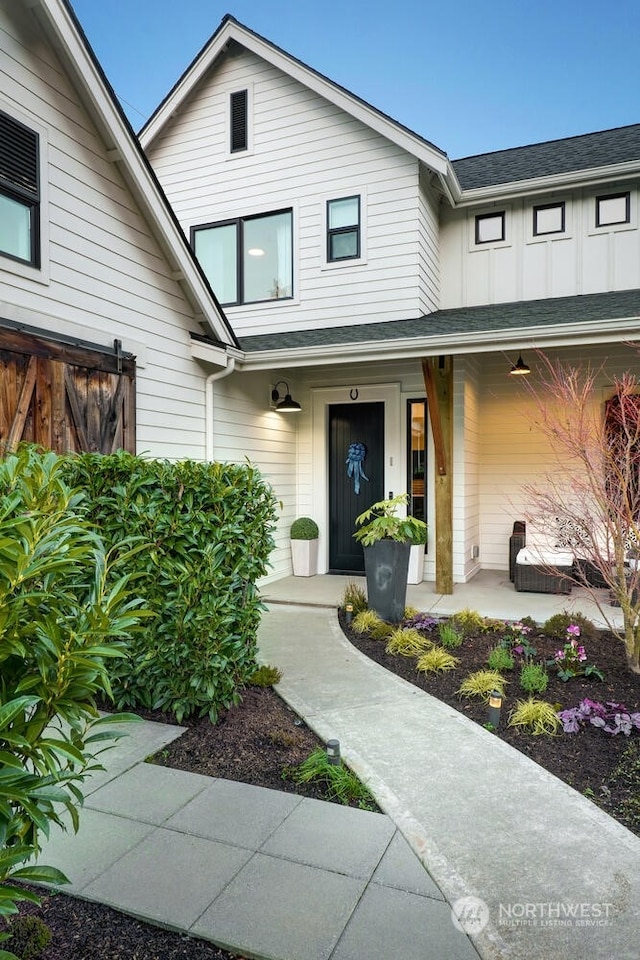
x: 355, y: 455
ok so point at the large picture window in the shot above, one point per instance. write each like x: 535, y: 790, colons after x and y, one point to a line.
x: 249, y: 259
x: 19, y: 192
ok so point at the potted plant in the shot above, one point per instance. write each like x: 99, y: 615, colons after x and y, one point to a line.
x: 386, y: 539
x: 416, y: 555
x: 304, y: 547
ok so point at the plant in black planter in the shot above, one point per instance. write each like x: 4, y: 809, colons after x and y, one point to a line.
x: 386, y: 539
x: 304, y: 547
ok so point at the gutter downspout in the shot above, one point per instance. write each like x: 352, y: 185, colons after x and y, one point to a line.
x: 208, y: 405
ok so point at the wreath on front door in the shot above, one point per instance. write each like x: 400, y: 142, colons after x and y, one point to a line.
x: 356, y: 455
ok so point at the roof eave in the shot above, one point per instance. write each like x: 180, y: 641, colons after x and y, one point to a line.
x: 489, y: 341
x: 123, y: 150
x: 551, y: 184
x: 229, y: 30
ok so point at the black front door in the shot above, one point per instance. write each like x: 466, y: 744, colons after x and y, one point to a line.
x: 351, y: 424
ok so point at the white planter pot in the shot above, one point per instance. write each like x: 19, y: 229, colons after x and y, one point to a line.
x: 304, y: 556
x: 416, y: 563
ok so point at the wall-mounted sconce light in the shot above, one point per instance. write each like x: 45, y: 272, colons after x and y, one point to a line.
x: 287, y: 405
x: 519, y: 368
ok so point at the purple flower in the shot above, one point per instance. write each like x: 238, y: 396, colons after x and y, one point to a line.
x: 573, y: 630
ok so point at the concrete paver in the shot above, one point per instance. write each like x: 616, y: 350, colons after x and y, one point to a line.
x: 542, y: 871
x: 534, y: 870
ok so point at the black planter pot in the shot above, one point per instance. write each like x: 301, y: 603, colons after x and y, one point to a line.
x: 386, y: 564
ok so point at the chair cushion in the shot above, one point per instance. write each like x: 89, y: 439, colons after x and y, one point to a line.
x: 544, y: 557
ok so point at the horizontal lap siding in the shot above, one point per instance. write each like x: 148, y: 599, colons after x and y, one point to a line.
x: 512, y: 451
x: 108, y: 276
x: 247, y: 429
x: 305, y: 150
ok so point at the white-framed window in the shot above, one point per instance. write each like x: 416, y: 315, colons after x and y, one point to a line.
x: 343, y: 229
x: 247, y: 259
x: 19, y: 192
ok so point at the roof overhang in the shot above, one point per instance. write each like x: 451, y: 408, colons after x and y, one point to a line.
x: 230, y: 31
x: 541, y: 324
x: 495, y: 193
x: 372, y: 352
x: 61, y: 27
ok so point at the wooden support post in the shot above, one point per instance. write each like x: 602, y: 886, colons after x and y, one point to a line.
x: 438, y: 381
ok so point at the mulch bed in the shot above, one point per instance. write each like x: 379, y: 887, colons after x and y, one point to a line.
x: 586, y: 760
x: 255, y: 741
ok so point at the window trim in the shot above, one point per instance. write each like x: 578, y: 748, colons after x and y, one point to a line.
x: 332, y: 232
x: 15, y: 265
x: 492, y: 215
x: 626, y: 194
x: 28, y: 198
x: 239, y: 222
x: 561, y: 204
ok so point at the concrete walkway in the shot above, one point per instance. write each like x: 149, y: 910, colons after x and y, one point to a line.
x: 261, y: 873
x: 534, y: 870
x: 542, y: 872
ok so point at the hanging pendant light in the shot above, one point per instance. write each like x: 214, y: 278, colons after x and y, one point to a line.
x: 520, y: 368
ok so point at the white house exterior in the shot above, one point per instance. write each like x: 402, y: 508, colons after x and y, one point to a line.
x: 95, y: 274
x: 374, y: 271
x: 458, y: 267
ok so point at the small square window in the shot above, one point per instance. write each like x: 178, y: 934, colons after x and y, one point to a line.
x: 612, y: 209
x: 343, y: 229
x: 548, y: 218
x: 490, y: 228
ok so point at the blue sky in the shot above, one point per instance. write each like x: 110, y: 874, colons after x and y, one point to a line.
x: 469, y: 76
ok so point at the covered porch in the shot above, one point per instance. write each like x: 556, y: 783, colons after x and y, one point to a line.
x: 490, y: 593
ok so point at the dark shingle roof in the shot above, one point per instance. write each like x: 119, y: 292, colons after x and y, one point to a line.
x: 550, y: 159
x: 499, y: 318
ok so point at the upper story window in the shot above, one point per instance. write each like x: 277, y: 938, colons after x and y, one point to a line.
x: 239, y: 121
x: 613, y: 209
x: 343, y: 229
x: 549, y: 218
x: 19, y: 192
x: 249, y: 259
x: 490, y: 228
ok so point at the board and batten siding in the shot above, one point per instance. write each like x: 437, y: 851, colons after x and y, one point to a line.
x: 584, y: 259
x: 304, y: 152
x: 104, y: 275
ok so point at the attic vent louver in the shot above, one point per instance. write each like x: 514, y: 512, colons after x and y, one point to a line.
x: 18, y: 156
x: 239, y: 121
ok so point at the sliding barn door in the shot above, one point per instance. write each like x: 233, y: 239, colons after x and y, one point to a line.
x: 65, y: 397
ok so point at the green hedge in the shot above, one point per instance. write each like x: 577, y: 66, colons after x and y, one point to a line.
x: 208, y: 534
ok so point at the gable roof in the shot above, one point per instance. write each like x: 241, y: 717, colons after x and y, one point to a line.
x: 60, y: 25
x: 551, y: 159
x: 231, y: 30
x: 589, y: 318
